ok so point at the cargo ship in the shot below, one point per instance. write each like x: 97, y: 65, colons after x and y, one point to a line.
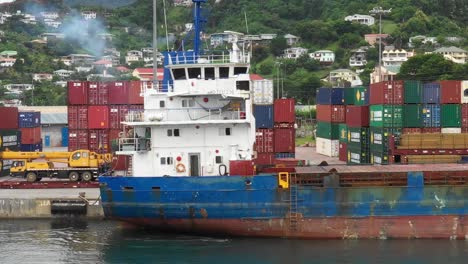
x: 197, y: 167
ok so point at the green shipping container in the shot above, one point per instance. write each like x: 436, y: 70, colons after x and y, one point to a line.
x: 358, y: 137
x: 327, y: 130
x: 379, y: 138
x: 386, y: 116
x: 356, y: 96
x: 379, y: 157
x: 451, y: 115
x: 413, y: 92
x: 357, y: 155
x: 343, y: 133
x: 412, y: 116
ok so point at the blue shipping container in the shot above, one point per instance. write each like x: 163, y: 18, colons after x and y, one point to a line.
x: 285, y: 155
x: 431, y: 93
x: 29, y: 119
x: 64, y: 136
x: 263, y: 116
x: 431, y: 115
x: 327, y: 96
x: 31, y: 147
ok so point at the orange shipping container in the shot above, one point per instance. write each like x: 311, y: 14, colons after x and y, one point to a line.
x: 31, y: 135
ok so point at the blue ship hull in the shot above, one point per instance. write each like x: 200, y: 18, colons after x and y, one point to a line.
x: 256, y: 206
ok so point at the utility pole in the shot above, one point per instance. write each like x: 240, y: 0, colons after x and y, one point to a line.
x: 155, y: 49
x: 380, y: 11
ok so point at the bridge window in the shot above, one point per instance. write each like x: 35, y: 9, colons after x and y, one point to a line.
x: 194, y: 73
x: 209, y: 73
x: 225, y: 131
x: 162, y: 104
x: 240, y: 70
x: 219, y: 159
x: 223, y: 72
x: 243, y: 85
x: 188, y: 103
x: 167, y: 161
x: 173, y: 132
x: 179, y: 74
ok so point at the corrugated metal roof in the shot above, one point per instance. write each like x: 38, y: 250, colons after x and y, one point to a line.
x: 54, y: 118
x: 44, y: 109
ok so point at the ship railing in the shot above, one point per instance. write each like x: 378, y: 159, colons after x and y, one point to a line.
x: 210, y: 59
x: 134, y: 144
x: 193, y: 114
x: 148, y: 87
x: 135, y: 116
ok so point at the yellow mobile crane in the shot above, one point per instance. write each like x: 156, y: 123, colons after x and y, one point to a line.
x: 80, y: 164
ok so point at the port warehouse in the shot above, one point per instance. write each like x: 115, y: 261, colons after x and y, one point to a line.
x: 395, y: 121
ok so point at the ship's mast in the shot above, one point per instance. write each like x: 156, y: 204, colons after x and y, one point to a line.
x: 198, y: 21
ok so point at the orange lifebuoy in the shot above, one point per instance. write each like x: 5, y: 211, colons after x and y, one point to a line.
x: 180, y: 167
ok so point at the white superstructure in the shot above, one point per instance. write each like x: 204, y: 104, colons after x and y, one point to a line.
x: 197, y: 124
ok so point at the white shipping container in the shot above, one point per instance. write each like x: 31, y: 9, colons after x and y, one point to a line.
x: 464, y: 92
x: 262, y: 92
x: 451, y: 130
x: 328, y: 147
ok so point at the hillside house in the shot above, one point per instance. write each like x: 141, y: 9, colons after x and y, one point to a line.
x: 18, y: 88
x: 343, y: 78
x: 361, y: 19
x: 49, y: 15
x: 325, y: 57
x: 454, y: 54
x: 422, y: 39
x: 7, y: 62
x: 63, y: 74
x: 388, y: 73
x: 133, y: 56
x: 89, y: 15
x: 374, y: 38
x: 291, y: 39
x: 395, y: 57
x: 52, y: 36
x: 358, y: 57
x: 146, y: 74
x: 9, y: 54
x: 82, y: 59
x: 294, y: 53
x: 40, y: 77
x: 218, y: 39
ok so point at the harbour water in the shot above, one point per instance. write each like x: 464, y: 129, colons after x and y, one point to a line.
x: 83, y: 241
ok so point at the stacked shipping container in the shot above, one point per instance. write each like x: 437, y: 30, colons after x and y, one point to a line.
x: 264, y: 122
x: 96, y: 111
x: 357, y: 123
x: 331, y: 115
x: 284, y: 130
x: 30, y: 126
x: 10, y: 136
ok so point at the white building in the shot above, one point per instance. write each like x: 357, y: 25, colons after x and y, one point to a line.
x: 382, y: 73
x: 218, y: 39
x: 343, y: 78
x: 88, y: 15
x: 49, y: 15
x: 361, y: 19
x: 133, y: 56
x: 454, y: 54
x: 40, y: 77
x: 358, y: 57
x: 63, y: 73
x: 52, y: 23
x: 395, y: 57
x: 325, y: 57
x: 422, y: 39
x: 291, y: 39
x: 18, y: 88
x: 268, y: 36
x: 294, y: 53
x: 7, y: 62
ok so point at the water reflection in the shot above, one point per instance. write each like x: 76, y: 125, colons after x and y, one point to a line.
x: 76, y: 240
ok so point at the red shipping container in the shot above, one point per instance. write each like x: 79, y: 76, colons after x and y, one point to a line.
x: 8, y: 118
x: 265, y: 159
x: 331, y: 113
x: 464, y: 114
x: 99, y: 141
x: 285, y: 140
x: 343, y: 152
x: 117, y: 114
x: 120, y: 162
x: 450, y: 92
x: 98, y: 117
x: 135, y: 94
x: 357, y: 116
x: 115, y: 134
x: 284, y: 111
x: 31, y: 135
x: 389, y: 92
x: 264, y: 140
x: 241, y: 168
x: 429, y: 130
x: 78, y: 117
x: 411, y: 130
x: 118, y: 92
x: 98, y: 93
x: 77, y: 139
x: 77, y: 93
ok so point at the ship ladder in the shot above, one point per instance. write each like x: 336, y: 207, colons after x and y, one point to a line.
x: 130, y: 166
x: 293, y: 212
